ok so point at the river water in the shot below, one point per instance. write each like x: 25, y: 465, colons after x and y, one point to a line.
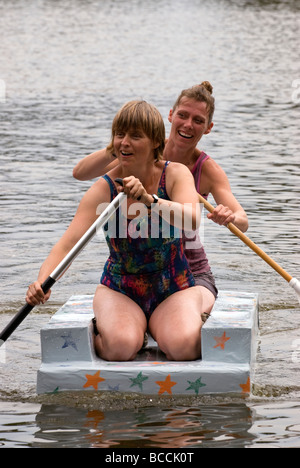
x: 65, y: 69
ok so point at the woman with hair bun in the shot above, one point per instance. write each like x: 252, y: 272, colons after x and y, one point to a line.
x: 191, y: 118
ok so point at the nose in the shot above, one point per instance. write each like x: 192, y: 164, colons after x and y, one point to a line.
x: 188, y: 123
x: 125, y: 140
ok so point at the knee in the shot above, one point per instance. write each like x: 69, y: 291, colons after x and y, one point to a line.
x: 118, y: 346
x: 181, y: 347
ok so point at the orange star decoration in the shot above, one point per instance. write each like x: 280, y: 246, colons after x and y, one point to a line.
x: 246, y: 387
x: 93, y: 380
x: 166, y: 385
x: 221, y: 340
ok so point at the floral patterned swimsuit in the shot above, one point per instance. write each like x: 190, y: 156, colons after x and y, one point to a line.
x: 146, y: 268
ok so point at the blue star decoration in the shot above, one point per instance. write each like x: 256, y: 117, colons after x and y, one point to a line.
x: 196, y: 385
x: 138, y: 380
x: 69, y: 341
x: 114, y: 389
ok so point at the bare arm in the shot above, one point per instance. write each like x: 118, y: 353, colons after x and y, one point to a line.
x: 181, y: 189
x: 85, y: 216
x: 183, y: 208
x: 228, y: 209
x: 95, y: 165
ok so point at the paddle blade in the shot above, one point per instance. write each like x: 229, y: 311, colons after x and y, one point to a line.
x: 15, y: 322
x: 295, y: 284
x: 22, y: 314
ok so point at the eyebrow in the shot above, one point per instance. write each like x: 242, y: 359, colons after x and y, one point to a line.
x: 198, y: 117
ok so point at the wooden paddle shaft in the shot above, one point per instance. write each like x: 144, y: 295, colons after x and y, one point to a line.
x: 236, y: 231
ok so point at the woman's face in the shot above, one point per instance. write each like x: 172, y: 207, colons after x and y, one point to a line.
x: 133, y: 146
x: 189, y: 122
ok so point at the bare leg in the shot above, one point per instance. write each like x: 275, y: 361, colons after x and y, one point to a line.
x: 121, y: 324
x: 176, y: 323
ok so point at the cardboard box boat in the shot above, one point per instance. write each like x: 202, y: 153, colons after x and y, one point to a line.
x: 69, y: 362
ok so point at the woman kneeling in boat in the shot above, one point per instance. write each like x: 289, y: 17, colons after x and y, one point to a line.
x: 191, y: 118
x: 146, y: 282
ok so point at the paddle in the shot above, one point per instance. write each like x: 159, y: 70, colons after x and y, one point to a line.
x: 293, y: 282
x: 64, y: 264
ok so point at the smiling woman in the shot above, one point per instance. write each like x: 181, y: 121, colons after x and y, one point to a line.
x: 193, y: 110
x: 140, y: 120
x: 191, y: 118
x: 147, y: 270
x: 144, y: 278
x: 190, y: 121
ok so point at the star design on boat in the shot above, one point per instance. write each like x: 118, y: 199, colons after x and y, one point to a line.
x: 221, y: 340
x: 246, y: 387
x: 116, y: 388
x: 69, y: 341
x: 93, y: 380
x: 56, y: 390
x: 138, y: 380
x: 196, y: 385
x: 165, y: 385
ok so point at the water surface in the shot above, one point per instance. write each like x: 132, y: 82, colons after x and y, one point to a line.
x: 67, y: 67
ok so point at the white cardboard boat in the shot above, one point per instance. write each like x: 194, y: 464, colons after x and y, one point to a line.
x: 69, y: 362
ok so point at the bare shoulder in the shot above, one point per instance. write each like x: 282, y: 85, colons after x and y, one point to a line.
x: 175, y: 169
x: 212, y: 175
x: 213, y: 169
x: 180, y: 182
x: 115, y: 172
x: 99, y: 192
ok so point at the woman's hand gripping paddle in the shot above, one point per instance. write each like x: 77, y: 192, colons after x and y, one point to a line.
x: 293, y: 282
x: 64, y: 264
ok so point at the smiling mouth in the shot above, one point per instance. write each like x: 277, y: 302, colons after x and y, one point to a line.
x: 185, y: 135
x: 125, y: 154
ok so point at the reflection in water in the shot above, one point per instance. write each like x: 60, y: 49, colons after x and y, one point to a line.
x: 179, y: 427
x: 175, y: 424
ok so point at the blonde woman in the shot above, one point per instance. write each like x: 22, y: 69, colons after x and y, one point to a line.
x: 147, y: 282
x: 191, y: 118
